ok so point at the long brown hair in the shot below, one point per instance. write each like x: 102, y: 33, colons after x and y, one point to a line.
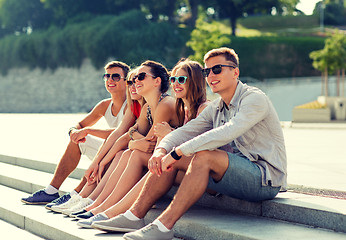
x: 196, y: 88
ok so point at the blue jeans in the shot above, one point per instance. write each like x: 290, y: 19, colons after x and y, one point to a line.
x: 243, y: 180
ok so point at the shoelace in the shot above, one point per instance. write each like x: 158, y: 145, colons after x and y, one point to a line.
x: 62, y: 199
x: 148, y: 229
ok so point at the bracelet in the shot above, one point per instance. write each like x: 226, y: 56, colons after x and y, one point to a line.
x: 175, y: 155
x: 132, y: 130
x: 70, y: 130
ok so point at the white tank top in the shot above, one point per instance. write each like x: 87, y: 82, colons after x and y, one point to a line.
x: 114, y: 121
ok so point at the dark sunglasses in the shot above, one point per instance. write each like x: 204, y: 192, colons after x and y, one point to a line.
x: 130, y: 82
x: 141, y: 76
x: 216, y: 69
x: 115, y: 76
x: 180, y: 79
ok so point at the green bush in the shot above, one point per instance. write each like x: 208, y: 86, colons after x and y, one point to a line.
x: 275, y: 57
x: 129, y: 37
x: 277, y: 22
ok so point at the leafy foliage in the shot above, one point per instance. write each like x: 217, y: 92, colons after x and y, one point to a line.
x: 206, y: 36
x: 129, y: 37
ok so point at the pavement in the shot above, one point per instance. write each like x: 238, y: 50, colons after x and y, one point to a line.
x: 316, y: 152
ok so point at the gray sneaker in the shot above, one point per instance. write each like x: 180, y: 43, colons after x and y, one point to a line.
x: 119, y: 223
x: 149, y: 232
x: 87, y: 222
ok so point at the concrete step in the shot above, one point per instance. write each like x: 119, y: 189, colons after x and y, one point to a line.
x: 198, y: 223
x: 316, y: 211
x: 40, y: 165
x: 10, y: 231
x: 29, y: 180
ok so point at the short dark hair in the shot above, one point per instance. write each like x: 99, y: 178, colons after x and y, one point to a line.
x: 119, y: 64
x: 158, y: 70
x: 228, y: 53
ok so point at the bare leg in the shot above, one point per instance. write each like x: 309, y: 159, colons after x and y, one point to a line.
x: 155, y: 187
x: 80, y: 186
x: 195, y: 183
x: 100, y: 186
x: 126, y: 202
x: 112, y: 181
x: 93, y: 190
x: 67, y: 164
x: 132, y: 174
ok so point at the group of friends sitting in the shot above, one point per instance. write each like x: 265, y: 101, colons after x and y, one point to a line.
x: 233, y: 145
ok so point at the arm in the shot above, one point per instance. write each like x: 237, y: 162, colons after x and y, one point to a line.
x: 125, y: 124
x: 252, y: 110
x: 83, y: 127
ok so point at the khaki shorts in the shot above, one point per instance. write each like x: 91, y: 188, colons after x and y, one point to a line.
x: 91, y: 146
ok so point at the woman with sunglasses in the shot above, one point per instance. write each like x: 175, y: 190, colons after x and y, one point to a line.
x: 189, y: 87
x: 152, y: 83
x: 132, y: 110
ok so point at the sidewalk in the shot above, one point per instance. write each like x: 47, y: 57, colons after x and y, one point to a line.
x: 316, y: 152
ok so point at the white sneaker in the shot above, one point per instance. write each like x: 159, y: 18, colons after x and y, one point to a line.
x: 83, y: 203
x: 73, y: 200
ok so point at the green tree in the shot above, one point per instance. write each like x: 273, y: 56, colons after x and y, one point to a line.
x: 234, y: 9
x: 206, y: 36
x: 23, y: 15
x: 331, y: 59
x: 65, y: 10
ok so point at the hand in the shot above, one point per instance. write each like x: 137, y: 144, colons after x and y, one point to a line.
x: 154, y: 163
x: 146, y: 144
x: 78, y: 135
x: 167, y: 163
x: 91, y: 173
x: 162, y: 129
x: 100, y: 171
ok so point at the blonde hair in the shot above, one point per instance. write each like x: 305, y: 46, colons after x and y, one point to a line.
x: 228, y: 53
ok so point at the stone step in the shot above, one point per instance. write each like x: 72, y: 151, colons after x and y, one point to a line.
x: 198, y: 223
x: 316, y: 211
x: 10, y: 231
x: 29, y: 180
x: 40, y: 165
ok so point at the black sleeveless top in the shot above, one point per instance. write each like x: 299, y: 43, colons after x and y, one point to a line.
x: 149, y: 117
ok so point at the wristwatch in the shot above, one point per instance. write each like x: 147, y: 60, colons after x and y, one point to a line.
x: 174, y: 155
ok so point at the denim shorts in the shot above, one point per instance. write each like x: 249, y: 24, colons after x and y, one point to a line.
x: 243, y: 180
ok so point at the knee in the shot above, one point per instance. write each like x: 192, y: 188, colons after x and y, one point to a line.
x: 202, y: 160
x: 136, y: 156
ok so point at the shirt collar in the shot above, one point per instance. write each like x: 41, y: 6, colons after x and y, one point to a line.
x: 235, y: 98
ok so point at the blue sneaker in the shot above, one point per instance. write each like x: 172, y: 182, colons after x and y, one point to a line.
x: 64, y: 198
x: 40, y: 197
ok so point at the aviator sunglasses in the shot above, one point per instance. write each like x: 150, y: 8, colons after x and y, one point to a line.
x: 141, y: 76
x: 115, y: 76
x: 180, y: 79
x: 216, y: 69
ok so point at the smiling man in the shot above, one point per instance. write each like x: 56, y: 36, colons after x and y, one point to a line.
x: 237, y: 146
x: 87, y: 140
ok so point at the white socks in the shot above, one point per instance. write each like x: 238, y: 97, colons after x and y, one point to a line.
x: 130, y: 216
x: 161, y: 227
x: 50, y: 189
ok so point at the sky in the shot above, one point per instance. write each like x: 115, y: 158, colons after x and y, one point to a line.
x: 307, y: 6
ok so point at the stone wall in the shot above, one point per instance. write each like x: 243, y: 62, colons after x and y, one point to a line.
x: 65, y: 90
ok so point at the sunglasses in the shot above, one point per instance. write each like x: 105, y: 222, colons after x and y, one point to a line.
x: 115, y: 76
x: 217, y: 69
x: 180, y: 79
x: 130, y: 82
x: 141, y: 76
